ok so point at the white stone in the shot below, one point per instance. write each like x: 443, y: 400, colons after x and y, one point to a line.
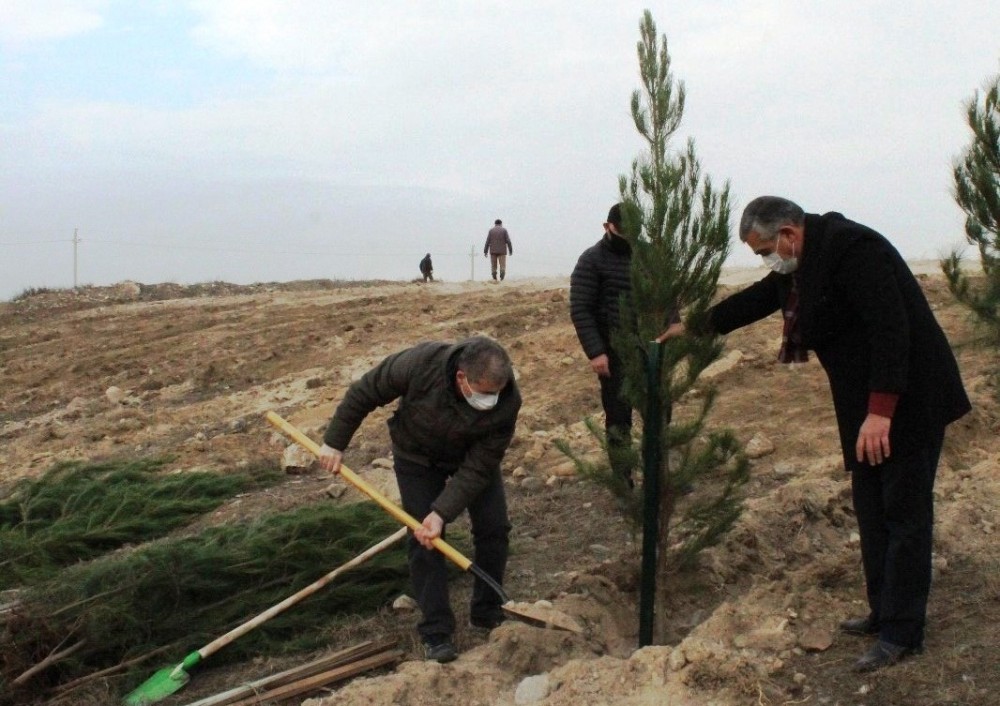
x: 532, y: 689
x: 784, y: 468
x: 114, y: 394
x: 564, y: 469
x: 404, y: 604
x: 532, y: 483
x: 759, y: 446
x: 335, y: 490
x: 296, y: 459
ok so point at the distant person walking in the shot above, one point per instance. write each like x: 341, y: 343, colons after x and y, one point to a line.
x: 497, y: 248
x: 427, y: 268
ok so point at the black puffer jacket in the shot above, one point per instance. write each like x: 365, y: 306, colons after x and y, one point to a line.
x: 600, y: 278
x: 433, y: 423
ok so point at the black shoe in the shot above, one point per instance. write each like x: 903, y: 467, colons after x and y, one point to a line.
x: 440, y: 649
x: 883, y: 654
x: 487, y: 622
x: 859, y: 626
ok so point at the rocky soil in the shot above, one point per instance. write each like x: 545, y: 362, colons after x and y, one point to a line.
x: 137, y: 370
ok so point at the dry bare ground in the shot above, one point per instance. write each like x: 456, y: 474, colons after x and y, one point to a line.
x: 138, y: 370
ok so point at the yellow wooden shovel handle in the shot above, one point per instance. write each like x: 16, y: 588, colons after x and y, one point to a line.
x: 359, y: 483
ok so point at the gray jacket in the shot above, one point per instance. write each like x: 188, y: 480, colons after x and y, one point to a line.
x: 498, y: 242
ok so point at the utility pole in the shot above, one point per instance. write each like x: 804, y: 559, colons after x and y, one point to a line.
x: 76, y: 241
x: 472, y: 264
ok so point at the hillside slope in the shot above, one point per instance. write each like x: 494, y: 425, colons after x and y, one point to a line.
x: 139, y: 370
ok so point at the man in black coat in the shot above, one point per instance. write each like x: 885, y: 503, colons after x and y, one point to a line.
x: 427, y: 268
x: 599, y: 280
x: 458, y: 405
x: 847, y: 295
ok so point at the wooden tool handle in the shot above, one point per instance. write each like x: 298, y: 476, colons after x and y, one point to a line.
x: 351, y: 477
x: 246, y: 627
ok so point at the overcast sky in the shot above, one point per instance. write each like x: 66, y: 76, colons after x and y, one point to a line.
x: 270, y: 140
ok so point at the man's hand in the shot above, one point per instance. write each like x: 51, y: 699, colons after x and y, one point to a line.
x: 599, y: 365
x: 430, y: 529
x: 673, y: 331
x: 330, y: 459
x: 873, y: 439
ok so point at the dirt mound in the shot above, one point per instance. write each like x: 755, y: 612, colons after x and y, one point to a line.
x: 187, y: 373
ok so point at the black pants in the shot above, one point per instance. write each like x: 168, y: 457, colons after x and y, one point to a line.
x: 419, y: 486
x: 617, y: 410
x: 894, y: 503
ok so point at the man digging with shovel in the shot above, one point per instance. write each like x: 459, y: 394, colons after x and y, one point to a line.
x: 458, y: 405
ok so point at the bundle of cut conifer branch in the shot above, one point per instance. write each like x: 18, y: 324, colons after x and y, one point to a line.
x: 171, y: 595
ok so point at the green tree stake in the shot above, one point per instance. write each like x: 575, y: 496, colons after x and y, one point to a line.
x: 651, y: 455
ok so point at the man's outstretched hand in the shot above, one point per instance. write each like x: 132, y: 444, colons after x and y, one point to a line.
x: 673, y: 331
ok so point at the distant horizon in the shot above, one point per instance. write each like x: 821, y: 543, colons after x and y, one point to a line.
x: 266, y: 141
x: 738, y: 274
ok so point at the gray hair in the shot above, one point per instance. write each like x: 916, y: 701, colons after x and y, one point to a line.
x: 483, y: 360
x: 766, y: 215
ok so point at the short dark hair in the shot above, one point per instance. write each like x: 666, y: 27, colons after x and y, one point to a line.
x: 497, y: 222
x: 767, y: 214
x: 483, y: 360
x: 615, y: 215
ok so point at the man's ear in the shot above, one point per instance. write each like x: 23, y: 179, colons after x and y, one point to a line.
x: 793, y: 233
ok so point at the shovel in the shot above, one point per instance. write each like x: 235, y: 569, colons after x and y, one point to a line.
x: 526, y: 613
x: 167, y: 681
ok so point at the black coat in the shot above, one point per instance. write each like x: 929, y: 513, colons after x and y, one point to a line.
x: 863, y: 313
x: 433, y: 423
x: 600, y: 278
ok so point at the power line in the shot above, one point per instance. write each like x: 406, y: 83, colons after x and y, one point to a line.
x: 36, y: 242
x: 173, y: 245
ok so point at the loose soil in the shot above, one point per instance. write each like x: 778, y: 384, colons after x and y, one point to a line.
x: 153, y: 370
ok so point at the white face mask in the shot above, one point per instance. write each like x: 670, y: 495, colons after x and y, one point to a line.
x: 781, y: 265
x: 482, y: 401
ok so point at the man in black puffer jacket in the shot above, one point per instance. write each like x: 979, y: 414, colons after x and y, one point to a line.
x: 599, y: 280
x: 458, y: 405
